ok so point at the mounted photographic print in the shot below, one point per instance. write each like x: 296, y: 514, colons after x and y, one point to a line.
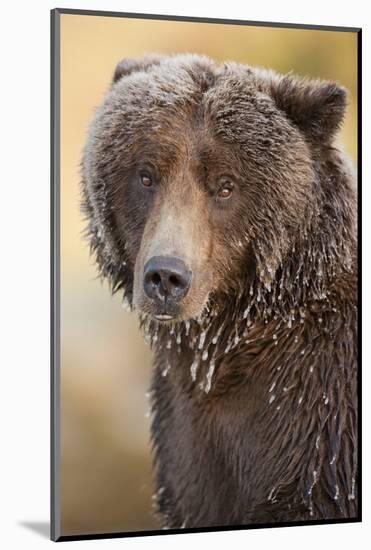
x: 204, y: 274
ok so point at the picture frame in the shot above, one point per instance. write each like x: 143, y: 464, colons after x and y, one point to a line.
x: 57, y: 533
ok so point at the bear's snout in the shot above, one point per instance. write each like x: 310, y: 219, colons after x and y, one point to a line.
x: 166, y: 280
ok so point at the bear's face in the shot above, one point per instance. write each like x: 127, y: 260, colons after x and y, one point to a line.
x: 196, y: 181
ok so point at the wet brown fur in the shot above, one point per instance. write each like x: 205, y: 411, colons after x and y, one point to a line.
x: 254, y: 392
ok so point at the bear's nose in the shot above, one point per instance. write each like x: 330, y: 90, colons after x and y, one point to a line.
x: 166, y: 279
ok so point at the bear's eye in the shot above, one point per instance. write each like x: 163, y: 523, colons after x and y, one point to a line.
x: 226, y: 190
x: 145, y: 179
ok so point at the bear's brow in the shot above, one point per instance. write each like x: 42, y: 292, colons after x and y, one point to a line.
x: 204, y: 156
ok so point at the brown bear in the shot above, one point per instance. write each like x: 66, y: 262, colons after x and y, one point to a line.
x: 218, y: 205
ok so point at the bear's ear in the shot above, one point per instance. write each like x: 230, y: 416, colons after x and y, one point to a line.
x: 128, y: 66
x: 317, y: 107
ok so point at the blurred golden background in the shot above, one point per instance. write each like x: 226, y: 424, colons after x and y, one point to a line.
x: 105, y: 365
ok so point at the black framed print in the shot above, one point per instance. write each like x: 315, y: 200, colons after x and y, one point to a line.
x: 205, y: 251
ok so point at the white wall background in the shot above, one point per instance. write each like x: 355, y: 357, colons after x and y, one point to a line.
x: 24, y: 269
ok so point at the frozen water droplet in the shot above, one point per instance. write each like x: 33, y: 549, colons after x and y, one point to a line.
x: 272, y: 398
x: 166, y: 369
x: 246, y: 312
x: 205, y: 355
x: 202, y: 339
x: 351, y: 495
x: 209, y: 376
x: 126, y: 304
x: 194, y: 368
x: 168, y: 345
x: 216, y: 337
x: 272, y: 387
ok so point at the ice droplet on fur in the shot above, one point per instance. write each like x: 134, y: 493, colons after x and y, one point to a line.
x: 216, y: 337
x: 246, y: 312
x: 202, y: 339
x: 352, y: 495
x: 209, y: 376
x: 126, y: 304
x: 194, y: 368
x: 166, y: 369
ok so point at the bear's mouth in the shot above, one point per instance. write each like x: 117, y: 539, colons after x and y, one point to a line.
x: 163, y: 317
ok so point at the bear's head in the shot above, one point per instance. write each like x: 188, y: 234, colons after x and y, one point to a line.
x: 199, y: 179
